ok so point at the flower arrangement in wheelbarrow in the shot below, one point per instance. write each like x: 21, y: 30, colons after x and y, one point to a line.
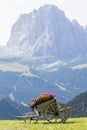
x: 40, y: 99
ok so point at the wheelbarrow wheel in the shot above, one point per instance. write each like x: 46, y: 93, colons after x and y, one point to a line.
x: 56, y: 112
x: 32, y: 116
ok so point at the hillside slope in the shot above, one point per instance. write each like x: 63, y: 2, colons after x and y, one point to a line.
x: 78, y: 106
x: 9, y: 109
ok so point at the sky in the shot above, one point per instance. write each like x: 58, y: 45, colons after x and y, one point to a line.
x: 10, y: 11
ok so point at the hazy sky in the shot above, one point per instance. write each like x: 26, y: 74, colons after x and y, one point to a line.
x: 10, y: 10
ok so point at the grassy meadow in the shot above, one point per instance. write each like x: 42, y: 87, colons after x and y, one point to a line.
x: 70, y: 124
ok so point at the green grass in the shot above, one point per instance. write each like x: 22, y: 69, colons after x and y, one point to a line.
x: 70, y: 124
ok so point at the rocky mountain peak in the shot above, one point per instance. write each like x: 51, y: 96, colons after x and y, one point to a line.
x: 47, y: 32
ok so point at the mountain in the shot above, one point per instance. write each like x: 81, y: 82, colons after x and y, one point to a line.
x: 23, y: 88
x: 9, y: 109
x: 46, y: 52
x: 78, y: 106
x: 52, y: 36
